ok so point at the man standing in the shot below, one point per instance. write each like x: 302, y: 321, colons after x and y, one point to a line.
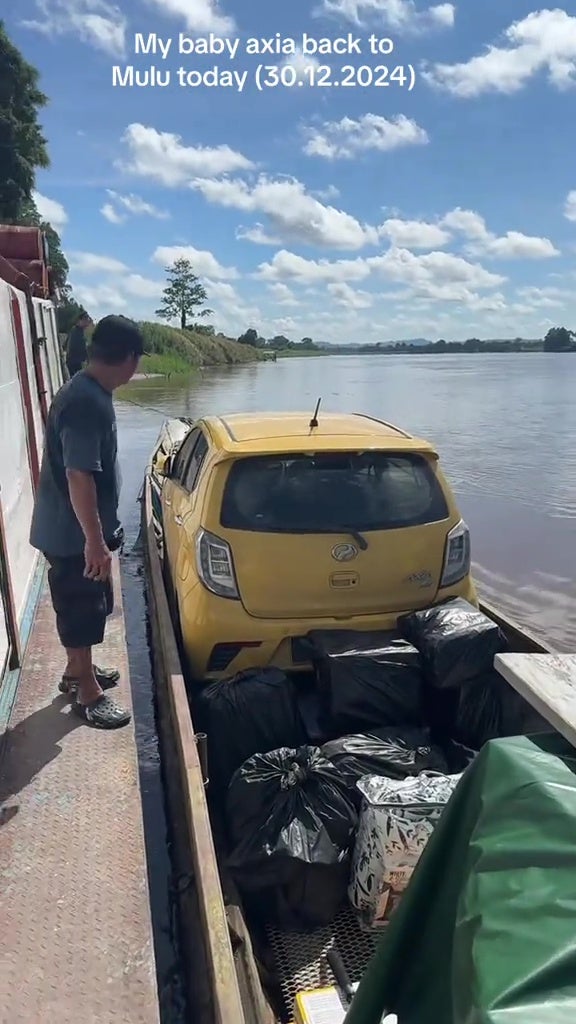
x: 75, y: 521
x: 76, y: 352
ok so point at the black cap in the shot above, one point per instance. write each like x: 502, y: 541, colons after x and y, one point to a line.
x: 114, y: 339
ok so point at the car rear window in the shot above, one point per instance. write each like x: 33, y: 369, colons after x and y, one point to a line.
x: 325, y: 493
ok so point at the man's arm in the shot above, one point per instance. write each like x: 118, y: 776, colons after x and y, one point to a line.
x: 81, y: 438
x: 82, y: 490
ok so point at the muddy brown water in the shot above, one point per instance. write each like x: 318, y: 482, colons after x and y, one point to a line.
x: 505, y: 427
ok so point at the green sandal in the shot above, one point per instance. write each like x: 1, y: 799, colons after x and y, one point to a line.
x: 106, y: 678
x: 102, y: 713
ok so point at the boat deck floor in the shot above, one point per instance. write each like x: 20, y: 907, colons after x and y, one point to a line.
x: 76, y: 939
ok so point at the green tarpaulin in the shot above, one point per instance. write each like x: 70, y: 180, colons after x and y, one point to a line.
x: 486, y: 931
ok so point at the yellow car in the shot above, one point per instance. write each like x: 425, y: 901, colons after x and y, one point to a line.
x: 275, y: 524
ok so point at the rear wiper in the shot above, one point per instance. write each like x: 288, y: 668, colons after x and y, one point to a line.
x: 358, y: 537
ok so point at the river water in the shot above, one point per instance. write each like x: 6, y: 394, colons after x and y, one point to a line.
x: 505, y: 427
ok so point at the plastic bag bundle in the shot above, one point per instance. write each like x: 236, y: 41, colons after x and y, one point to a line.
x: 366, y: 680
x: 487, y: 709
x: 396, y: 822
x: 254, y: 711
x: 292, y: 826
x: 456, y: 640
x: 392, y: 753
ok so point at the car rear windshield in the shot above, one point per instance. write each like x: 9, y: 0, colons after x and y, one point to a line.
x: 330, y: 492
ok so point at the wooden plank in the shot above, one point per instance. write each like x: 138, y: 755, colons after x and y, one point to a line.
x: 224, y: 982
x: 548, y: 683
x: 523, y: 640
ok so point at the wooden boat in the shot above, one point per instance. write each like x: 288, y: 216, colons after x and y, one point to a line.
x: 235, y: 974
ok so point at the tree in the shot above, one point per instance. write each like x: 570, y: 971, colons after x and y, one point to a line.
x: 559, y: 339
x: 250, y: 337
x: 67, y: 310
x: 22, y: 144
x: 183, y: 294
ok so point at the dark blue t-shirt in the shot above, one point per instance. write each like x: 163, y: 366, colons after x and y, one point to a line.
x: 80, y: 434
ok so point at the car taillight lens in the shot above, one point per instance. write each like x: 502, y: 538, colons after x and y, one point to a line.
x: 215, y: 565
x: 457, y: 555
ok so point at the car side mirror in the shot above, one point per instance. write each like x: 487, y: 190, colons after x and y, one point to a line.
x: 162, y: 464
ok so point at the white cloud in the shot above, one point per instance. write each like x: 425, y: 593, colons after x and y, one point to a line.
x: 282, y: 295
x: 467, y: 222
x: 96, y: 22
x: 347, y: 138
x: 51, y: 211
x: 435, y: 275
x: 400, y: 15
x: 111, y: 214
x: 163, y: 157
x: 205, y: 263
x: 256, y: 234
x: 514, y: 245
x: 198, y: 15
x: 344, y: 295
x: 304, y: 64
x: 293, y: 213
x: 287, y: 266
x: 414, y: 234
x: 93, y: 263
x: 544, y: 298
x: 132, y: 205
x: 142, y: 287
x: 544, y: 41
x: 570, y: 206
x: 99, y: 299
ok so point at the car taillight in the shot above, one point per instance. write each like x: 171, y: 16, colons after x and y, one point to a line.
x: 215, y: 565
x: 457, y: 555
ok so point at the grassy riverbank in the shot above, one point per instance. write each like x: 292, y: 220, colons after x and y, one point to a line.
x: 172, y: 351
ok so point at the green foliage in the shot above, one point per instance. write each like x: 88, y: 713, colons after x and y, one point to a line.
x: 22, y: 144
x: 191, y: 349
x: 250, y: 337
x: 206, y: 329
x: 560, y: 339
x: 168, y: 365
x: 67, y: 311
x: 183, y: 295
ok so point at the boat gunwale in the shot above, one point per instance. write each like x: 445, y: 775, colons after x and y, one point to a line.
x: 224, y: 986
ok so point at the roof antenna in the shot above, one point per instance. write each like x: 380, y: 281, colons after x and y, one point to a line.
x: 314, y: 421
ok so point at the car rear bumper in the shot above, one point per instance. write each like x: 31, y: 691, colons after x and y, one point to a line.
x: 221, y: 639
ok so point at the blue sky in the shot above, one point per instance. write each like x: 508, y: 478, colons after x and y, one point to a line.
x: 345, y: 212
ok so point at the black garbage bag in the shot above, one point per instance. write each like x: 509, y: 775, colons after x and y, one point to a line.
x: 389, y: 752
x: 291, y: 825
x: 366, y: 680
x: 252, y: 712
x: 485, y: 711
x: 456, y: 640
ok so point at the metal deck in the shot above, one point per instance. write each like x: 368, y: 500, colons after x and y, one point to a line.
x: 76, y: 937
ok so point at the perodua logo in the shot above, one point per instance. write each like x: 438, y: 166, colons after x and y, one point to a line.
x: 344, y: 552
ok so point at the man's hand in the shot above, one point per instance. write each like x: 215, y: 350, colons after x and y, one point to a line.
x: 98, y: 561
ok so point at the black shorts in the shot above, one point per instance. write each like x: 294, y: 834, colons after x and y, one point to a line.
x: 81, y: 605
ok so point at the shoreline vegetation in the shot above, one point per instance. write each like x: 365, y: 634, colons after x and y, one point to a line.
x: 171, y: 351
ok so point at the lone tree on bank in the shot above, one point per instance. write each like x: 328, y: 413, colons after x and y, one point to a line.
x: 183, y: 295
x: 22, y: 144
x: 559, y: 339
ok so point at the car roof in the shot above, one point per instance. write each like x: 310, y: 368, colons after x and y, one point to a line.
x: 263, y: 433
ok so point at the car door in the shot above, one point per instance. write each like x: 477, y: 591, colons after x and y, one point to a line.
x: 172, y: 495
x: 182, y: 501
